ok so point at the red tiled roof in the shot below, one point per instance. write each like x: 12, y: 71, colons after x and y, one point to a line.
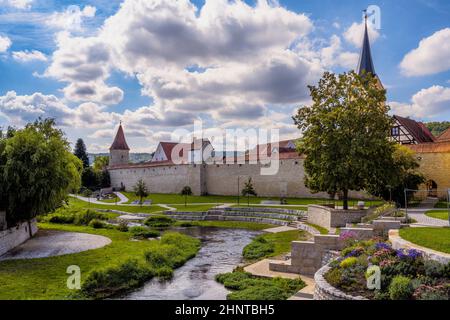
x: 444, y: 136
x: 417, y: 129
x: 119, y: 142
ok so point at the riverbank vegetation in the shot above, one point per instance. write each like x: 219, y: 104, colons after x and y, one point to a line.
x: 245, y: 286
x: 106, y: 271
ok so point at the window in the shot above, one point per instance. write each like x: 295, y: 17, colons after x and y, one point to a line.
x: 395, y: 131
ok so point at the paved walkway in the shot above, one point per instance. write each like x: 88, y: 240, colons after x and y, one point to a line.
x: 261, y: 269
x: 418, y: 214
x: 280, y: 229
x: 50, y: 243
x: 122, y: 197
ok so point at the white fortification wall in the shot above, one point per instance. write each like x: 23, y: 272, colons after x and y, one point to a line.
x: 219, y: 179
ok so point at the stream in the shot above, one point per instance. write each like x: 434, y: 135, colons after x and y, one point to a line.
x: 221, y: 252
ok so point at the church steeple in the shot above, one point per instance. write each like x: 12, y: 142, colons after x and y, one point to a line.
x: 365, y: 59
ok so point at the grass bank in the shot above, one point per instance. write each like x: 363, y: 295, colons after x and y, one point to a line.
x: 438, y: 214
x: 272, y: 244
x: 46, y: 278
x: 248, y: 287
x: 433, y: 238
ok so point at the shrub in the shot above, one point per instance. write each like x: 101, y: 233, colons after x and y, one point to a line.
x: 348, y: 262
x: 143, y: 233
x: 164, y: 273
x: 97, y: 224
x: 110, y: 281
x: 61, y: 218
x: 84, y: 218
x: 434, y: 269
x: 122, y: 226
x: 258, y: 248
x: 439, y: 292
x: 248, y: 287
x: 174, y: 251
x: 159, y: 222
x: 400, y: 288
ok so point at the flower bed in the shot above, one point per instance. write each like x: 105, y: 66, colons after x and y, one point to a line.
x: 405, y: 274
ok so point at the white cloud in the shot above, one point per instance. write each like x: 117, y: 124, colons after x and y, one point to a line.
x: 5, y: 43
x: 430, y: 57
x: 354, y: 34
x: 18, y: 4
x: 427, y: 103
x: 72, y: 18
x: 27, y: 56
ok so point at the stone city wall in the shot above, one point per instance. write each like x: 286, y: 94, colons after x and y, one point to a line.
x: 219, y: 179
x: 12, y: 237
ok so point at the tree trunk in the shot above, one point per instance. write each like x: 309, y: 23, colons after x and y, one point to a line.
x: 345, y: 199
x: 29, y: 228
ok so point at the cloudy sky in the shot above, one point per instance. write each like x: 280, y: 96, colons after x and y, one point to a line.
x: 159, y: 65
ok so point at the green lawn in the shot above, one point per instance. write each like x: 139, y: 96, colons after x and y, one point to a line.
x: 302, y: 208
x: 322, y: 230
x: 228, y: 224
x: 193, y: 208
x: 46, y: 278
x: 438, y: 214
x: 76, y: 203
x: 272, y: 244
x: 433, y: 238
x: 179, y: 199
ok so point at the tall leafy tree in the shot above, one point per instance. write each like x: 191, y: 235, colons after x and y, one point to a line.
x: 345, y: 134
x: 80, y: 152
x: 248, y: 190
x: 140, y: 190
x: 100, y: 163
x: 37, y: 171
x: 403, y: 175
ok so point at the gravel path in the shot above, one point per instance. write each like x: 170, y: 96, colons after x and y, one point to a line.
x: 50, y: 243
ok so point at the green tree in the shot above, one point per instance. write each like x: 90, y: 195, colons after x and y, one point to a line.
x: 345, y: 134
x: 248, y: 190
x: 437, y: 128
x: 186, y: 192
x: 80, y: 152
x: 100, y: 163
x: 403, y: 175
x: 140, y: 190
x: 37, y: 171
x: 90, y: 179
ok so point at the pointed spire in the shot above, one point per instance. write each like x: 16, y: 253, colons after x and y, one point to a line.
x: 365, y: 60
x: 119, y: 142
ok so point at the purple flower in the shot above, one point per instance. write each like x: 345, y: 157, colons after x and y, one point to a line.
x: 414, y: 254
x: 383, y: 245
x: 347, y: 235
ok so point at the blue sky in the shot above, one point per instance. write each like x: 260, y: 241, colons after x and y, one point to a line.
x: 159, y: 74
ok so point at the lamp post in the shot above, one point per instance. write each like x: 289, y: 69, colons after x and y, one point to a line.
x: 406, y: 206
x: 448, y: 205
x: 238, y: 191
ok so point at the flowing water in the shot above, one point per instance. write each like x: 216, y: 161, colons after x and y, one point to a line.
x: 221, y: 251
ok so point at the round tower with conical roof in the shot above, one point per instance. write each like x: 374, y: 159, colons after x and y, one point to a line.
x: 119, y: 152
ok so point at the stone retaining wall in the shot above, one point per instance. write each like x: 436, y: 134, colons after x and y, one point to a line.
x: 333, y: 218
x: 12, y: 237
x: 195, y: 216
x: 270, y: 210
x: 324, y: 291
